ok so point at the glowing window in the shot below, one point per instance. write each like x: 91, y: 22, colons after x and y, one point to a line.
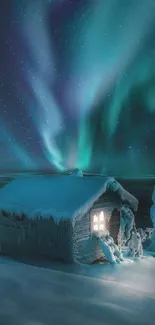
x: 101, y: 216
x: 96, y: 227
x: 98, y: 221
x: 101, y: 227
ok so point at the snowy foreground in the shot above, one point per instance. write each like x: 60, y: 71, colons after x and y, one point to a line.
x: 87, y: 295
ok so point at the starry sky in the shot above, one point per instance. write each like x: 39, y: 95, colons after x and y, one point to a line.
x: 77, y: 86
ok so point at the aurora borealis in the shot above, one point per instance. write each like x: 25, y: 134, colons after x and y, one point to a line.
x: 77, y: 86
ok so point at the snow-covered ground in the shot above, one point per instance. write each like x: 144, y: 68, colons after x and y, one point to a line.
x: 88, y: 295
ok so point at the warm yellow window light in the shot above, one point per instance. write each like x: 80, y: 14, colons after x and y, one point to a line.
x: 95, y: 218
x: 101, y: 216
x: 96, y: 227
x: 101, y: 227
x: 98, y: 221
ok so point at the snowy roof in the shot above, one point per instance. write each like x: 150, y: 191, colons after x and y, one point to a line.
x: 59, y: 196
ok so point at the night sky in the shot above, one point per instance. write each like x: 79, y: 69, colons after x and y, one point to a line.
x: 77, y: 86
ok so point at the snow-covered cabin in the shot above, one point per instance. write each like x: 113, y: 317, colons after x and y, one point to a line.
x: 57, y: 216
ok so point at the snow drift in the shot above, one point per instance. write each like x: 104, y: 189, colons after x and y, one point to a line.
x: 37, y: 296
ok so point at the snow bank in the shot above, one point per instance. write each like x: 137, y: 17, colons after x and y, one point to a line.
x: 110, y: 249
x: 126, y: 224
x: 135, y: 245
x: 39, y: 296
x: 60, y: 196
x: 107, y: 251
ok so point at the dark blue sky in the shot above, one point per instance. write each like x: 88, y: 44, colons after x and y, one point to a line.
x: 77, y: 86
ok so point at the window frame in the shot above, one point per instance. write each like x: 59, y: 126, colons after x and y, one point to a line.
x: 92, y: 213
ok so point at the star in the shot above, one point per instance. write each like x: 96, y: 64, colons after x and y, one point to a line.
x: 77, y: 81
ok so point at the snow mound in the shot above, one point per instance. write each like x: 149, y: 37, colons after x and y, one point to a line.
x: 39, y: 296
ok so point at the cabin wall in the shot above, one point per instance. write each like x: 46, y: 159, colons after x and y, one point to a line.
x: 56, y: 239
x: 85, y: 246
x: 41, y: 237
x: 109, y: 202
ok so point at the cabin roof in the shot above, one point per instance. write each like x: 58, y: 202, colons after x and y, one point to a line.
x: 59, y: 196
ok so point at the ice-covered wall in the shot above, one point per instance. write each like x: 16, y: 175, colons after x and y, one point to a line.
x: 36, y: 238
x: 86, y: 248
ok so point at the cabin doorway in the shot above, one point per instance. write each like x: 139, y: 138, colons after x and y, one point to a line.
x: 114, y: 225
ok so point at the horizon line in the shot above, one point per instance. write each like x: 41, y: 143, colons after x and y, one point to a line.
x: 5, y: 173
